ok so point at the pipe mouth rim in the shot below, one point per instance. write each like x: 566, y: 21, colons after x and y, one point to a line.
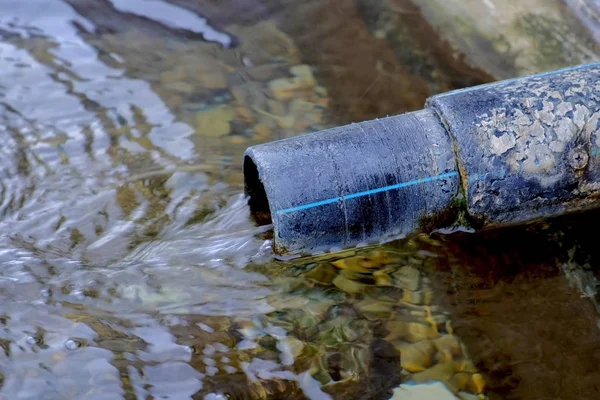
x: 260, y: 209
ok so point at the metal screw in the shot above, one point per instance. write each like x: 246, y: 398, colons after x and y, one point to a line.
x: 578, y: 158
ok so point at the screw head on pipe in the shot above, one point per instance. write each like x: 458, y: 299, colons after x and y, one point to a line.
x: 578, y: 158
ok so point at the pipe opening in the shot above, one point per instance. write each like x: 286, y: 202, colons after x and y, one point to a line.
x: 259, y: 205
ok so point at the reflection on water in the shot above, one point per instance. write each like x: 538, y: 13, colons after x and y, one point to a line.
x: 129, y: 267
x: 172, y: 16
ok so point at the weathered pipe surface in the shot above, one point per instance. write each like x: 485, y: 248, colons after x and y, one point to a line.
x: 355, y: 184
x: 528, y: 147
x: 501, y: 153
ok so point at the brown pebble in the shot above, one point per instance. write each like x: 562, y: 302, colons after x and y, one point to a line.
x: 439, y: 372
x: 374, y: 310
x: 262, y: 131
x: 461, y: 381
x: 449, y: 347
x: 302, y: 71
x: 408, y: 278
x: 243, y: 114
x: 479, y: 383
x: 286, y: 88
x: 382, y: 279
x: 277, y: 108
x: 465, y: 366
x: 321, y: 91
x: 296, y: 346
x: 421, y: 297
x: 416, y: 357
x: 214, y: 121
x: 322, y: 273
x: 347, y: 285
x: 238, y: 139
x: 410, y: 331
x: 286, y: 122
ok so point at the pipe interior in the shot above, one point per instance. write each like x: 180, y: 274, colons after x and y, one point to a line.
x: 259, y: 205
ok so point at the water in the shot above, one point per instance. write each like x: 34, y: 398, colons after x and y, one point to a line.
x: 129, y: 267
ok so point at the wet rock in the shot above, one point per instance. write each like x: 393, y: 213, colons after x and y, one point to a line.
x: 341, y: 371
x: 448, y: 347
x: 374, y: 309
x: 262, y: 131
x: 215, y: 121
x: 286, y: 122
x: 440, y: 372
x: 249, y: 94
x: 210, y: 74
x: 461, y: 381
x: 341, y: 310
x: 321, y: 91
x: 244, y: 114
x: 416, y: 357
x: 342, y: 330
x: 265, y: 43
x: 421, y: 297
x: 352, y: 264
x: 343, y: 282
x: 277, y: 108
x: 367, y: 262
x: 285, y: 89
x: 382, y: 278
x: 237, y: 140
x: 479, y: 383
x: 411, y: 331
x: 296, y: 346
x: 408, y: 278
x: 302, y: 71
x: 465, y: 365
x: 466, y: 382
x: 322, y: 273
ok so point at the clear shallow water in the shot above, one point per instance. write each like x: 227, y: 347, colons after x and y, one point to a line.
x: 129, y: 267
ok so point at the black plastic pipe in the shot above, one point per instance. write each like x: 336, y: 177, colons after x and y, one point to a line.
x: 497, y: 154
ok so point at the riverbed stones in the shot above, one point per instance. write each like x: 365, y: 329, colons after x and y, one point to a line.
x: 454, y: 377
x: 256, y: 91
x: 393, y: 289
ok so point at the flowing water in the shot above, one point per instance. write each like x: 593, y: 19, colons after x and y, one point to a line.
x: 130, y: 269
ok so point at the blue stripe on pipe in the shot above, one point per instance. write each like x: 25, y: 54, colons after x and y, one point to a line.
x: 368, y: 192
